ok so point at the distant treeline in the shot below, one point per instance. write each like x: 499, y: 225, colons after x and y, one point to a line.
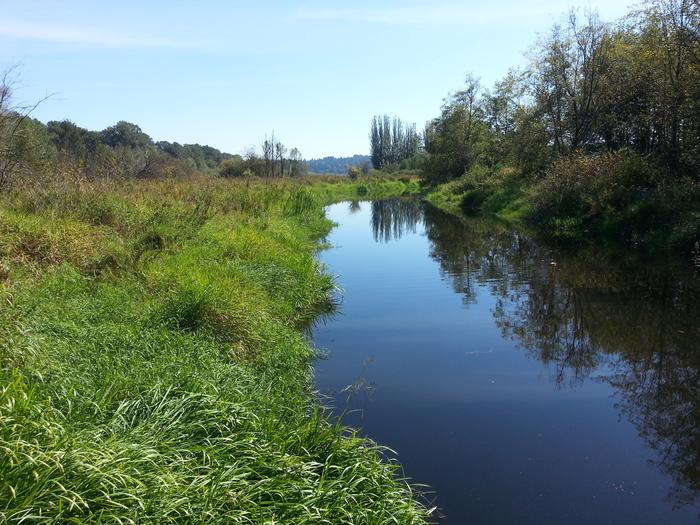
x: 30, y: 148
x: 118, y: 151
x: 339, y: 165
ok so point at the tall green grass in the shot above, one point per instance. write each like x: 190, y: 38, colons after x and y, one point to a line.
x: 152, y: 364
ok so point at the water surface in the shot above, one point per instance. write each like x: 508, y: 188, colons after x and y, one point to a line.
x: 522, y: 383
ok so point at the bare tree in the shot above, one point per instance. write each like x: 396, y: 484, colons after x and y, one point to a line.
x: 12, y: 116
x: 280, y: 152
x: 268, y: 150
x: 297, y: 166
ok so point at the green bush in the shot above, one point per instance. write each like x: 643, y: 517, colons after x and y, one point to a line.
x: 591, y: 186
x: 234, y: 167
x: 354, y: 172
x: 620, y: 195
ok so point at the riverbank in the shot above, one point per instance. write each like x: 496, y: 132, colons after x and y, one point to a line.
x: 613, y: 199
x: 154, y: 368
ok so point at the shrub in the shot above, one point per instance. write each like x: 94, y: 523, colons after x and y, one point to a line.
x: 354, y: 172
x: 587, y: 187
x: 234, y: 167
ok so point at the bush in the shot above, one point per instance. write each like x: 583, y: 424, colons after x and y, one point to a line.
x: 620, y: 195
x: 483, y: 190
x: 588, y: 187
x: 234, y: 167
x: 159, y: 165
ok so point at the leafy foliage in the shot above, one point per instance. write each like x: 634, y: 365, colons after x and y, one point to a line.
x: 590, y: 87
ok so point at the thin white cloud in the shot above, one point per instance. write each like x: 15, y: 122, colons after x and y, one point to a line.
x: 443, y: 13
x: 67, y: 35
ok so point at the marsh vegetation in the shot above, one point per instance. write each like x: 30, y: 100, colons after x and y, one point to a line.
x: 152, y: 365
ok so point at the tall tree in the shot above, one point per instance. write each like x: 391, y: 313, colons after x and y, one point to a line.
x: 567, y: 75
x: 453, y: 139
x: 391, y: 141
x: 375, y: 143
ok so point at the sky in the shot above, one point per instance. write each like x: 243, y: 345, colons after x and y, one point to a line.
x: 228, y: 73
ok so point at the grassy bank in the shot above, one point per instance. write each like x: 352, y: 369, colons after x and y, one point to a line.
x: 333, y: 188
x: 617, y: 197
x: 500, y: 193
x: 153, y: 367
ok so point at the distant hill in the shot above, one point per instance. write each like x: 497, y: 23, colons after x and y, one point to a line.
x: 337, y: 165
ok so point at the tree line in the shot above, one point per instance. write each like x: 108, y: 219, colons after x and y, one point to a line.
x: 589, y: 87
x: 337, y: 165
x: 29, y: 148
x: 392, y: 141
x: 598, y: 133
x: 273, y: 159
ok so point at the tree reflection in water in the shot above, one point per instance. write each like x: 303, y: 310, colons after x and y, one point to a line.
x: 392, y: 218
x: 354, y: 207
x: 633, y: 324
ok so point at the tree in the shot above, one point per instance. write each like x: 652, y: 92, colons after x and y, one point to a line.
x: 453, y: 139
x: 268, y: 151
x: 127, y: 135
x: 297, y: 165
x: 13, y: 131
x: 501, y: 107
x: 234, y: 167
x: 515, y: 135
x: 391, y: 141
x: 375, y: 143
x: 670, y: 32
x: 280, y: 152
x: 274, y: 161
x: 72, y: 140
x: 567, y: 75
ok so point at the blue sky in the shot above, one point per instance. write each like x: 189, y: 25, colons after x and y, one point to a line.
x: 225, y: 73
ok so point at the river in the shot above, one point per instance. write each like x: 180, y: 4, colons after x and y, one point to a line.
x: 523, y: 383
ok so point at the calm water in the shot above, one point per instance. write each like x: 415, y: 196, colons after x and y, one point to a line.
x: 522, y: 384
